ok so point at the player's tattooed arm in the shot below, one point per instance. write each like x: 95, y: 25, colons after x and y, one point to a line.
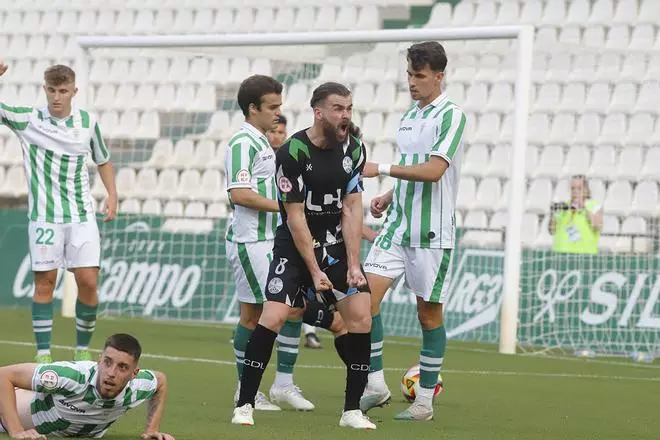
x: 156, y: 409
x: 352, y: 226
x: 430, y: 171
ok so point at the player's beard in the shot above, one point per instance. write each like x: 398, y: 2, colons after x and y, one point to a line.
x: 335, y: 135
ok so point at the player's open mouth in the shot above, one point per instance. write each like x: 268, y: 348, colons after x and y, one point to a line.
x: 108, y: 384
x: 343, y: 128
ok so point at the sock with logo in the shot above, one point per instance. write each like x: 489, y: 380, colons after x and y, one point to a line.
x: 376, y: 349
x: 257, y: 355
x: 85, y: 324
x: 341, y: 345
x: 431, y: 357
x: 241, y: 338
x: 42, y: 326
x: 288, y: 342
x: 357, y: 368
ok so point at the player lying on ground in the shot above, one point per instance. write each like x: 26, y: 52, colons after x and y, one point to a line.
x: 418, y: 236
x: 317, y: 248
x: 250, y: 171
x: 83, y: 398
x: 62, y: 229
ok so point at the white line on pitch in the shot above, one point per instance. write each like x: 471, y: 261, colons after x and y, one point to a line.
x: 338, y: 367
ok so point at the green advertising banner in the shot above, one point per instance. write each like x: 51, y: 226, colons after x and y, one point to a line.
x: 606, y: 303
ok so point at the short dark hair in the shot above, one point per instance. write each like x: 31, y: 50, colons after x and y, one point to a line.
x: 126, y: 343
x: 252, y: 90
x: 59, y: 74
x: 281, y: 120
x: 428, y: 53
x: 322, y: 92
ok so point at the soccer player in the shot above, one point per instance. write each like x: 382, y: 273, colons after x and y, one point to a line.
x: 317, y: 248
x: 83, y: 398
x: 250, y: 171
x: 62, y: 229
x: 418, y: 236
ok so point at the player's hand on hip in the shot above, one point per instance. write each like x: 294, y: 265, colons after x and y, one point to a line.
x: 355, y: 278
x: 110, y: 209
x: 29, y: 433
x: 378, y: 205
x: 157, y: 436
x: 321, y: 282
x: 3, y: 67
x: 370, y: 169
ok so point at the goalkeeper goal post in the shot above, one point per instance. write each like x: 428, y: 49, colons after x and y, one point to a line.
x: 523, y: 36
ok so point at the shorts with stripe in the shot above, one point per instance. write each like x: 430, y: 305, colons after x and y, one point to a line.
x: 425, y: 271
x: 250, y: 262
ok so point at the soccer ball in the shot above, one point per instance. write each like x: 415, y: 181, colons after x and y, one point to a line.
x: 410, y: 383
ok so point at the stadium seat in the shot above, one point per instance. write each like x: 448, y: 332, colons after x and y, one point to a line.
x: 205, y: 154
x: 500, y: 163
x: 463, y: 14
x: 588, y: 128
x: 130, y: 206
x: 212, y: 187
x: 629, y: 164
x: 539, y: 196
x: 126, y: 128
x: 489, y: 190
x: 640, y: 129
x: 385, y: 97
x: 152, y: 207
x: 195, y: 210
x: 182, y: 155
x: 485, y: 14
x: 467, y: 192
x: 372, y: 125
x: 551, y: 162
x: 625, y: 12
x: 440, y: 16
x: 218, y: 127
x: 618, y: 198
x: 609, y: 239
x: 173, y: 208
x: 126, y: 182
x: 598, y: 98
x: 562, y: 191
x: 651, y: 168
x: 648, y: 93
x: 570, y: 35
x: 390, y: 128
x: 479, y: 220
x: 547, y: 99
x: 538, y: 129
x: 14, y: 184
x: 649, y: 12
x: 476, y: 97
x: 146, y: 184
x: 593, y: 37
x: 189, y: 187
x: 216, y: 210
x: 488, y: 131
x: 631, y: 227
x: 578, y: 160
x: 562, y: 129
x: 604, y: 164
x: 160, y: 154
x: 614, y: 130
x: 325, y: 18
x: 477, y: 159
x: 305, y: 19
x: 645, y: 198
x: 623, y: 98
x: 382, y: 153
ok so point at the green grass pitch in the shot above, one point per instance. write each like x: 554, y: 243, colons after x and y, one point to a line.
x: 487, y: 395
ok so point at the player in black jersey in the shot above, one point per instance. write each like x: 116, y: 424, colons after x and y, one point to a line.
x: 317, y: 248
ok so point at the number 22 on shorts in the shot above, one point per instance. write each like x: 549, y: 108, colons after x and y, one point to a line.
x: 45, y: 236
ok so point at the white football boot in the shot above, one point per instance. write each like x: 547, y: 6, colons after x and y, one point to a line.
x: 243, y: 415
x: 355, y: 419
x: 290, y: 395
x: 416, y: 411
x: 374, y: 396
x: 261, y: 402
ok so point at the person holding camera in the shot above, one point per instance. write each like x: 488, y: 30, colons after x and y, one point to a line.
x: 575, y: 227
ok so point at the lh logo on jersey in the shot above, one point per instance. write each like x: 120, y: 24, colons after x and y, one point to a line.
x: 49, y: 379
x: 284, y: 184
x: 347, y: 164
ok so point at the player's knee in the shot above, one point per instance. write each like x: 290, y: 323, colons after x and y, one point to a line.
x: 274, y: 315
x: 338, y: 327
x: 44, y: 286
x: 87, y: 282
x: 360, y: 323
x: 296, y: 314
x: 428, y: 319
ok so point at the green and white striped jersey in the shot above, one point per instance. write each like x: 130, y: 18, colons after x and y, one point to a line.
x: 422, y: 213
x: 250, y: 163
x: 67, y: 403
x: 54, y: 152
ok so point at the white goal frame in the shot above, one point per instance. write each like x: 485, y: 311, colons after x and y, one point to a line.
x: 525, y: 44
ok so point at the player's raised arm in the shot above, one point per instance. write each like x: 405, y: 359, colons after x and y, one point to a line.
x: 11, y: 377
x: 290, y: 186
x: 156, y: 409
x: 16, y: 118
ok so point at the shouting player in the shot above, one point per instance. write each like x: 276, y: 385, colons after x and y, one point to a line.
x: 250, y: 171
x: 317, y: 248
x: 81, y: 399
x: 62, y: 229
x: 418, y: 236
x: 276, y: 136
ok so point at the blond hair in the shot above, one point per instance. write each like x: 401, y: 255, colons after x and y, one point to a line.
x: 59, y: 74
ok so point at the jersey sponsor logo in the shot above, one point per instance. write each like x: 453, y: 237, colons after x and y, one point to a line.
x: 71, y: 407
x: 375, y: 266
x: 360, y: 367
x: 275, y: 285
x: 49, y: 379
x: 308, y: 167
x: 243, y: 176
x: 405, y: 128
x: 347, y: 163
x: 284, y: 184
x: 328, y: 200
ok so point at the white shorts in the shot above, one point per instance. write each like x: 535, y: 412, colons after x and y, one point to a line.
x: 23, y: 405
x: 425, y: 271
x: 68, y: 245
x: 250, y: 262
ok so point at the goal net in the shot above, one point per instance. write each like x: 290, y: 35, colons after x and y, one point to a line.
x: 168, y: 111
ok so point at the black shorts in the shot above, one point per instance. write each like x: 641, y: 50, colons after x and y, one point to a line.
x: 289, y: 280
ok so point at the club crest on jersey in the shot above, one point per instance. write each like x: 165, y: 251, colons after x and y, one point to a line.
x: 49, y: 379
x: 275, y: 285
x: 243, y: 176
x: 347, y: 164
x: 284, y: 184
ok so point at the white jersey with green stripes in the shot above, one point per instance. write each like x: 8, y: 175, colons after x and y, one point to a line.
x: 67, y: 403
x: 250, y: 163
x: 422, y: 213
x: 54, y: 153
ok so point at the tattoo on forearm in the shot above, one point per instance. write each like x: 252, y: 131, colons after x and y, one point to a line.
x: 154, y: 404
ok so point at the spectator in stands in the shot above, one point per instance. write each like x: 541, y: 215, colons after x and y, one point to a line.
x: 576, y: 226
x: 277, y: 134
